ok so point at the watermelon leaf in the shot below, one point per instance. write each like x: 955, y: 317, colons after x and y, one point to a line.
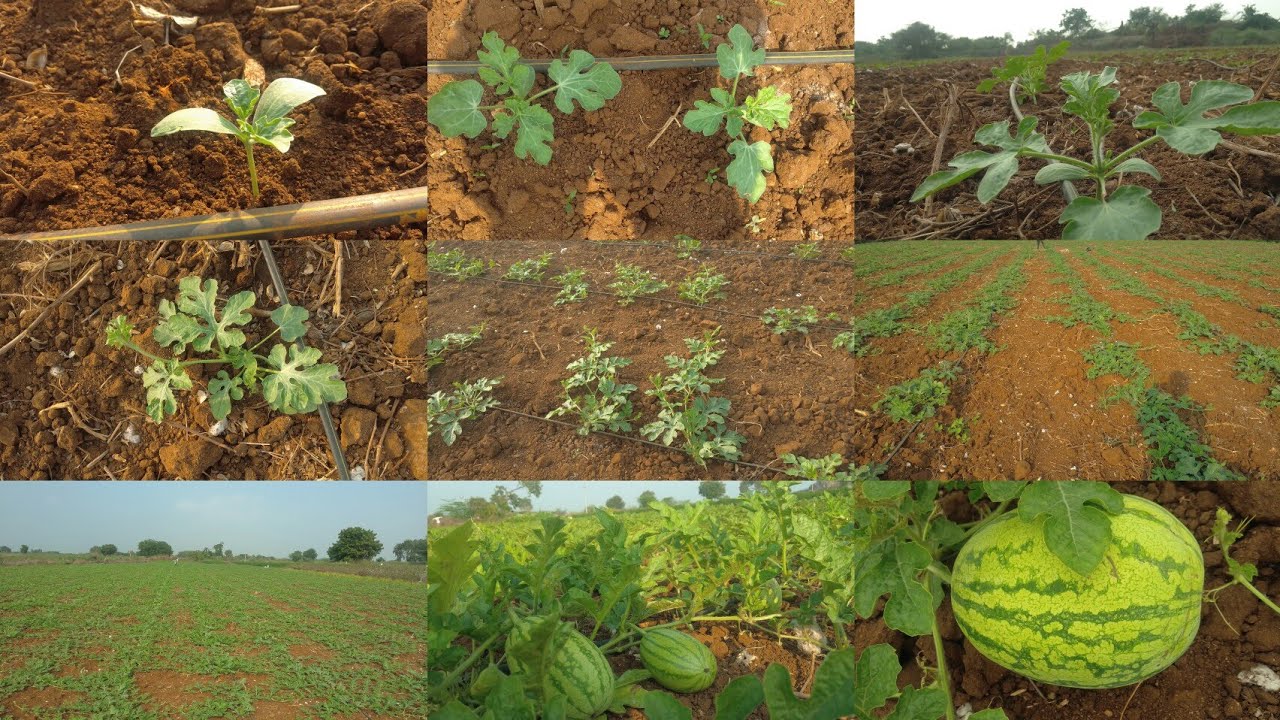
x: 893, y: 567
x: 1003, y: 490
x: 875, y: 679
x: 660, y: 705
x: 829, y: 700
x: 508, y: 702
x: 928, y: 703
x: 885, y: 489
x: 453, y: 560
x: 455, y: 711
x: 1078, y: 528
x: 739, y: 698
x: 989, y: 714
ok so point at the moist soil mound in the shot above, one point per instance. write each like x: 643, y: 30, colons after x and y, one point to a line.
x: 784, y: 391
x: 74, y: 408
x: 621, y: 172
x: 1236, y: 635
x: 1224, y: 194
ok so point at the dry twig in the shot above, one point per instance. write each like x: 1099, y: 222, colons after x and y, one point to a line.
x: 49, y: 308
x: 337, y: 272
x: 670, y: 120
x: 282, y: 10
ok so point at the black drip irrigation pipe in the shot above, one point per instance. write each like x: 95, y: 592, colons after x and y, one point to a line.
x: 661, y: 62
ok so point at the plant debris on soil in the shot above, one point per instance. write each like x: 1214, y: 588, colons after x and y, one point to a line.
x: 1224, y: 194
x: 73, y: 408
x: 1236, y: 635
x: 787, y: 392
x: 628, y: 178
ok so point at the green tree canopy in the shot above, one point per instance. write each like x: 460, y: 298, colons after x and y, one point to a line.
x: 615, y: 503
x: 413, y: 551
x: 711, y: 489
x: 296, y: 556
x: 108, y: 549
x: 1076, y: 23
x: 355, y: 543
x: 918, y: 41
x: 309, y: 554
x: 152, y: 548
x: 645, y: 498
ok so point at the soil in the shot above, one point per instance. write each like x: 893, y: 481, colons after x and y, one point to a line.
x: 1028, y: 408
x: 1202, y: 684
x: 1224, y: 194
x: 785, y: 391
x: 377, y: 342
x: 626, y: 186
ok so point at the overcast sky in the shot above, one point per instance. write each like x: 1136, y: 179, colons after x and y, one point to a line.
x: 255, y: 518
x: 570, y: 495
x: 877, y: 19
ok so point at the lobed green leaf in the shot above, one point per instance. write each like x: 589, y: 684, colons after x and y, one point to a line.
x: 1128, y: 214
x: 584, y: 80
x: 737, y: 56
x: 751, y: 161
x: 455, y: 109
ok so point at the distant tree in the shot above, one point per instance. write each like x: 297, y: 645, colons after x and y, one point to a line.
x: 1208, y: 15
x: 217, y: 549
x: 309, y: 554
x: 296, y: 556
x: 1076, y: 23
x: 615, y: 503
x: 746, y: 487
x: 919, y: 40
x: 24, y: 549
x: 108, y: 549
x: 355, y: 543
x: 711, y: 489
x: 228, y: 554
x: 668, y: 500
x: 5, y: 549
x: 645, y: 498
x: 413, y: 551
x: 1146, y: 20
x: 152, y: 548
x: 533, y: 487
x: 1251, y: 18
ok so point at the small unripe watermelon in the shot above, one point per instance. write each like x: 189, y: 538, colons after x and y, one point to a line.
x: 1131, y: 617
x: 677, y: 661
x: 579, y: 671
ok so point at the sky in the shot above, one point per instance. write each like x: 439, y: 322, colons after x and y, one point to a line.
x: 570, y: 495
x: 876, y: 19
x: 255, y: 518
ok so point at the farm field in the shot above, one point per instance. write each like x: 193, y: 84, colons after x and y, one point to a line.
x: 1219, y: 674
x: 767, y: 390
x: 631, y: 170
x: 208, y: 640
x: 72, y: 407
x: 1103, y: 361
x: 761, y: 582
x: 1227, y: 193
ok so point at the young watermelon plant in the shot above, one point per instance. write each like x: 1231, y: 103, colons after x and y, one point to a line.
x: 290, y: 377
x: 1079, y: 586
x: 768, y: 108
x: 268, y: 125
x: 1030, y: 72
x: 1121, y: 212
x: 457, y: 110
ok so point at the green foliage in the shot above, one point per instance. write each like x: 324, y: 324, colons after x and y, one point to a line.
x: 634, y: 281
x: 920, y: 397
x: 1241, y: 573
x: 687, y: 410
x: 686, y: 246
x: 1173, y: 445
x: 593, y: 393
x: 457, y: 110
x: 573, y: 286
x: 1029, y: 71
x: 817, y: 469
x: 268, y: 124
x: 703, y: 286
x: 355, y: 543
x: 150, y: 548
x: 469, y: 401
x: 1126, y: 212
x: 437, y: 347
x: 806, y: 251
x: 291, y: 379
x: 455, y: 263
x: 785, y: 320
x: 767, y: 109
x: 530, y: 270
x: 1118, y: 358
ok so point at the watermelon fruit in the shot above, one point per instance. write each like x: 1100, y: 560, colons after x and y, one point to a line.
x: 577, y: 670
x: 677, y: 661
x: 1130, y: 618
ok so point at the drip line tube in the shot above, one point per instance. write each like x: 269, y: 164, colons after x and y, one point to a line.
x: 660, y: 62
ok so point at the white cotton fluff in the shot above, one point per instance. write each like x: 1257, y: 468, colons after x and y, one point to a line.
x: 218, y: 428
x: 1261, y: 676
x: 131, y: 435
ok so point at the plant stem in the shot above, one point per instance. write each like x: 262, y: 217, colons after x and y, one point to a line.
x: 475, y: 655
x: 253, y: 170
x: 944, y: 681
x: 1265, y: 600
x: 1115, y: 162
x: 1058, y: 158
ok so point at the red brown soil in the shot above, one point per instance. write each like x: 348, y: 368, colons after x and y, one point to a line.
x: 1201, y: 684
x: 32, y: 703
x: 311, y: 651
x: 375, y: 343
x: 786, y: 397
x: 1029, y: 409
x: 168, y: 689
x: 625, y: 189
x: 886, y: 181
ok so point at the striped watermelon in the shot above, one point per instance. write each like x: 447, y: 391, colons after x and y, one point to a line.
x: 1130, y: 618
x: 677, y: 661
x: 578, y: 670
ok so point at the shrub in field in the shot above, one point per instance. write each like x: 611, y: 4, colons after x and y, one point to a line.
x: 529, y: 270
x: 355, y: 543
x: 469, y: 400
x: 767, y: 108
x: 1124, y: 212
x: 268, y: 125
x: 593, y: 393
x: 291, y: 379
x: 920, y: 397
x: 456, y: 108
x: 687, y: 409
x: 573, y: 286
x: 1029, y: 71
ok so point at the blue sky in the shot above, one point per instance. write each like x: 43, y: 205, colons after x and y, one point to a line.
x: 877, y: 19
x: 570, y: 495
x: 266, y: 518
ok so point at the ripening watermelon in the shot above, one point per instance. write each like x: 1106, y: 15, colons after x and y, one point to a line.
x: 578, y: 671
x: 677, y: 661
x: 1130, y: 618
